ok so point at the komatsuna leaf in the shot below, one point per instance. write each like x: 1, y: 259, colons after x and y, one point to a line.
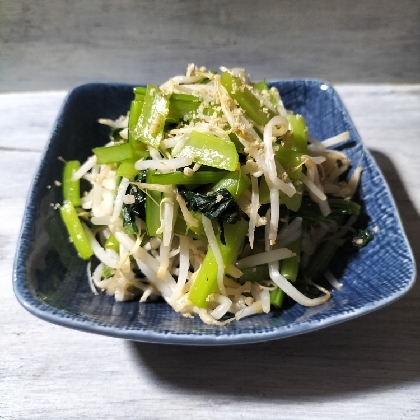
x: 137, y: 209
x: 218, y: 205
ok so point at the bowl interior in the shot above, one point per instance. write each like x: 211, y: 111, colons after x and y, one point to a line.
x: 51, y: 281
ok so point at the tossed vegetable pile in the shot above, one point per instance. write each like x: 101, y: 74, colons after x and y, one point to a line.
x: 211, y: 195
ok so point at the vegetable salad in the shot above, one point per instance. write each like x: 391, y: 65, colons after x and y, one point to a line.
x: 212, y: 196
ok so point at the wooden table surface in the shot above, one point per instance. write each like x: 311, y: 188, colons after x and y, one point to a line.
x: 368, y: 368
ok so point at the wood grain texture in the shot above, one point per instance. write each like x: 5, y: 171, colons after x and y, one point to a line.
x: 367, y: 368
x: 56, y: 45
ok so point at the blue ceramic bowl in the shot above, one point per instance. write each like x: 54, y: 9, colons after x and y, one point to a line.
x: 50, y: 281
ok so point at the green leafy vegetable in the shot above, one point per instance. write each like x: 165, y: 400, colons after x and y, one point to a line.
x: 310, y: 210
x: 113, y: 154
x: 151, y: 121
x: 112, y: 243
x: 71, y: 189
x: 75, y: 230
x: 362, y: 238
x: 153, y: 200
x: 276, y: 297
x: 218, y: 205
x: 108, y: 272
x: 210, y: 150
x: 242, y: 94
x: 137, y: 209
x: 206, y: 281
x: 179, y: 178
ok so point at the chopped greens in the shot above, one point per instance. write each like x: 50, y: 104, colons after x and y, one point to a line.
x: 362, y: 238
x: 218, y: 205
x: 149, y: 127
x: 137, y: 209
x: 210, y: 150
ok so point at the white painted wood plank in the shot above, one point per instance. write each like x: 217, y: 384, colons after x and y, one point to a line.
x: 368, y: 368
x: 27, y: 120
x: 387, y: 118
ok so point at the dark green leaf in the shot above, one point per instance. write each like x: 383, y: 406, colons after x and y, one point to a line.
x: 362, y: 238
x: 129, y: 223
x: 309, y: 210
x: 219, y: 205
x: 115, y: 134
x: 137, y: 209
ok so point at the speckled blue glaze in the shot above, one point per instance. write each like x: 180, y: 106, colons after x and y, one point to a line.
x: 50, y: 280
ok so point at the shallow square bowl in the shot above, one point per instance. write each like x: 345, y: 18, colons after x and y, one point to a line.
x: 50, y: 281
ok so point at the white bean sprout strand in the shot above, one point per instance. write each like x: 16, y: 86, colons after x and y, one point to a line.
x: 184, y: 263
x: 287, y: 287
x: 253, y: 214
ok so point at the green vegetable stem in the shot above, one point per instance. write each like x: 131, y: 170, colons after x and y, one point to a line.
x: 75, y: 230
x: 235, y: 182
x: 242, y: 94
x: 276, y: 297
x: 133, y: 117
x: 298, y: 140
x: 112, y: 243
x: 153, y: 199
x: 210, y: 150
x: 206, y: 280
x: 179, y: 178
x: 290, y: 266
x: 71, y: 188
x: 151, y: 121
x: 181, y: 106
x: 113, y: 154
x: 127, y: 169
